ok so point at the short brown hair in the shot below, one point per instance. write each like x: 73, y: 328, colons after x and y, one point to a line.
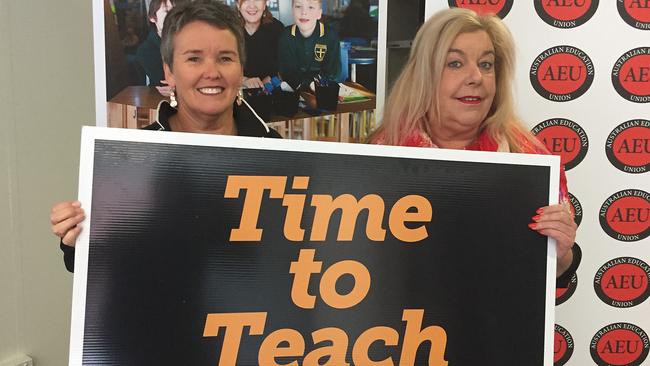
x: 318, y: 1
x: 211, y: 12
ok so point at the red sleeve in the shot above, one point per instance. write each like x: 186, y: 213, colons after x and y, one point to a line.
x: 564, y: 190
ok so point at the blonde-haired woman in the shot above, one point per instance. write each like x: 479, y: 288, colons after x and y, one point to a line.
x: 455, y: 92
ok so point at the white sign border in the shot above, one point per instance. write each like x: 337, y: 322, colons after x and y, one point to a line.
x: 86, y: 167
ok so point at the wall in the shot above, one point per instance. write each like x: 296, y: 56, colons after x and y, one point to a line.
x: 46, y: 94
x: 8, y: 279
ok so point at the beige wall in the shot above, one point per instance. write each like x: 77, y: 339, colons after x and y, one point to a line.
x: 46, y: 94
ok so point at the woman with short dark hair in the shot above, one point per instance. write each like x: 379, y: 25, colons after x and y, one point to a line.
x: 203, y: 58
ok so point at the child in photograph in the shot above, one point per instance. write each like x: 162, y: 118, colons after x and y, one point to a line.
x: 148, y: 53
x: 308, y: 49
x: 262, y: 32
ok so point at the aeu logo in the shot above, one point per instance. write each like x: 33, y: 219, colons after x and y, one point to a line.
x: 631, y: 75
x: 566, y: 13
x: 635, y: 13
x: 499, y: 7
x: 624, y: 215
x: 562, y: 73
x: 628, y: 146
x: 576, y: 208
x: 564, y: 294
x: 562, y: 346
x: 623, y: 282
x: 565, y: 138
x: 619, y: 344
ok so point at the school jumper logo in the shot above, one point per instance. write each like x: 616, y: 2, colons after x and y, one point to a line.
x: 566, y: 13
x: 624, y: 215
x: 621, y: 344
x: 319, y: 51
x: 628, y: 146
x: 562, y: 73
x: 562, y: 346
x: 564, y: 294
x: 631, y: 75
x: 565, y: 138
x: 576, y: 209
x: 623, y: 282
x: 635, y: 13
x: 499, y: 7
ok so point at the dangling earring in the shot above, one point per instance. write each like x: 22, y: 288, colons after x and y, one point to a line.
x: 172, y: 99
x: 240, y: 96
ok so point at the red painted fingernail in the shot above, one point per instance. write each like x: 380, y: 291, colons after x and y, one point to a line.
x: 536, y: 218
x: 532, y: 226
x: 540, y: 211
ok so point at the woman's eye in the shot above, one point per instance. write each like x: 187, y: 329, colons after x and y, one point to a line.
x: 486, y: 65
x: 226, y: 59
x: 454, y: 64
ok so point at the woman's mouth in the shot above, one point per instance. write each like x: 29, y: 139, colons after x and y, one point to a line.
x: 211, y: 91
x: 469, y: 100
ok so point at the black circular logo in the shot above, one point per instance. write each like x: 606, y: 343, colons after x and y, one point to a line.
x: 623, y: 282
x: 622, y: 344
x: 624, y: 215
x: 631, y: 75
x: 562, y: 346
x: 566, y: 13
x: 562, y: 73
x: 500, y: 8
x: 565, y: 138
x: 635, y: 13
x: 628, y: 146
x: 576, y: 208
x: 564, y: 294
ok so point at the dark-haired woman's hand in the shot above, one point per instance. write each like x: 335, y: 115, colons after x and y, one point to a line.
x: 65, y: 219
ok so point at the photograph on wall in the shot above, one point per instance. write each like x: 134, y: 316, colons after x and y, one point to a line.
x: 304, y: 58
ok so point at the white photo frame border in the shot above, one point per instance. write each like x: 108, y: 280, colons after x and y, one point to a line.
x: 99, y: 54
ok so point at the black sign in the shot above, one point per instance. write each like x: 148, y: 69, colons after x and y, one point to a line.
x: 231, y: 251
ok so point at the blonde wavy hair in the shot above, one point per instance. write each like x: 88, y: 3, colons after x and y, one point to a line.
x: 413, y: 102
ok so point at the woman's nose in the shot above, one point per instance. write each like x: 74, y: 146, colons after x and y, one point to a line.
x: 474, y: 75
x: 212, y: 70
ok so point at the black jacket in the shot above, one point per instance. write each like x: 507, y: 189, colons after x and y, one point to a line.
x: 262, y: 50
x: 148, y: 57
x: 302, y: 59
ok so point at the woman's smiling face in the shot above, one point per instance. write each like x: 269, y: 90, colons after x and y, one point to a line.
x: 468, y: 82
x: 206, y: 70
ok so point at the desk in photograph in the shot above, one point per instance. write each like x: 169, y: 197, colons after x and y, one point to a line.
x: 136, y: 107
